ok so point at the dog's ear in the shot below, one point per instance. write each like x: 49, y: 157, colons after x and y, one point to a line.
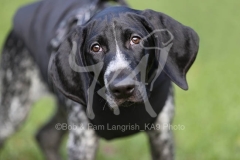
x: 71, y: 83
x: 184, y: 47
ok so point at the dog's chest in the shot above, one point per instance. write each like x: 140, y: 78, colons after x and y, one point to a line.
x: 131, y: 120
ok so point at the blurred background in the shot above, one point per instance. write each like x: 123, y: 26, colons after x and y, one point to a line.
x: 209, y: 110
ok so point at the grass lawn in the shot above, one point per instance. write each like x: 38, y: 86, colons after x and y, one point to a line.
x: 210, y: 110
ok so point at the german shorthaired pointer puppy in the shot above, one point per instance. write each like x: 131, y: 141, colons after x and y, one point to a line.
x: 110, y: 67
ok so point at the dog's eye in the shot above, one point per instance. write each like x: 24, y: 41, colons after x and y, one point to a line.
x: 135, y: 40
x: 96, y: 48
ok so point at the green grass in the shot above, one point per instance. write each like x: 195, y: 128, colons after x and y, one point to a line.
x: 209, y: 110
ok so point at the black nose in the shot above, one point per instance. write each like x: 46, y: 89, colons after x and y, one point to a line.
x: 122, y: 89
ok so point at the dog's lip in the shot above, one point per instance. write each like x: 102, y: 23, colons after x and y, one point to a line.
x: 129, y: 103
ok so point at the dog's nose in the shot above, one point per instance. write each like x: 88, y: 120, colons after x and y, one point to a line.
x: 122, y: 89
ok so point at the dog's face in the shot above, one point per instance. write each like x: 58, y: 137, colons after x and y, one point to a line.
x: 114, y: 37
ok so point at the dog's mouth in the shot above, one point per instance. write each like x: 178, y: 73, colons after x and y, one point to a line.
x: 127, y: 104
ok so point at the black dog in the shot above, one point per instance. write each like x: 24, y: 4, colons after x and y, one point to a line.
x: 110, y: 68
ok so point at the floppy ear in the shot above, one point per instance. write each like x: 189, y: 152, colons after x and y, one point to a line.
x: 184, y: 49
x: 71, y: 83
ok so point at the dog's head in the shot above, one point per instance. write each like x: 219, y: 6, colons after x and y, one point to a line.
x: 128, y: 43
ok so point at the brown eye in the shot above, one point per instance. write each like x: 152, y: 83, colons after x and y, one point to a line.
x: 135, y: 40
x: 96, y: 48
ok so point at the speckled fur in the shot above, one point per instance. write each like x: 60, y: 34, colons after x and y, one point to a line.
x: 162, y: 141
x: 83, y: 141
x: 20, y: 86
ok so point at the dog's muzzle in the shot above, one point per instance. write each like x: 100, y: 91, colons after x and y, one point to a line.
x: 123, y: 88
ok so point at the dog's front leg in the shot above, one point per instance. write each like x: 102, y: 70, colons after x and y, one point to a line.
x: 161, y: 138
x: 83, y: 141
